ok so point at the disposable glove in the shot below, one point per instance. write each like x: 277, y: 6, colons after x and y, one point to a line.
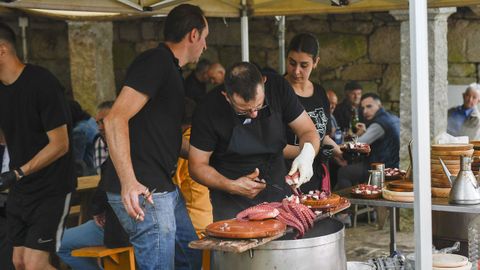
x: 303, y: 164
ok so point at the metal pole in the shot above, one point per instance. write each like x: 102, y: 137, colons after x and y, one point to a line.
x: 421, y: 133
x: 23, y: 23
x: 244, y: 31
x: 281, y: 44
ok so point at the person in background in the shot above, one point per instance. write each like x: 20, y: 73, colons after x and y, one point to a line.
x: 144, y: 137
x: 464, y: 120
x: 104, y: 229
x: 302, y: 58
x: 216, y: 73
x: 84, y: 133
x: 382, y: 132
x: 196, y: 82
x: 348, y: 110
x: 333, y: 99
x: 100, y: 142
x: 36, y: 122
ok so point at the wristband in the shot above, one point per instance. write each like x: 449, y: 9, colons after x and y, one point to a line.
x: 21, y: 174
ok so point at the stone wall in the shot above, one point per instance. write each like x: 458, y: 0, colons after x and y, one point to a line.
x: 360, y: 46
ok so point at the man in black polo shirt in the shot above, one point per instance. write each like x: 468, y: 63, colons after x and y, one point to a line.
x: 238, y: 137
x: 144, y: 137
x: 36, y: 122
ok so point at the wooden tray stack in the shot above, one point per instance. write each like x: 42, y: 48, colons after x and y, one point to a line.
x: 476, y: 154
x: 450, y: 154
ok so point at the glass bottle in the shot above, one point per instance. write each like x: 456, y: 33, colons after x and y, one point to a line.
x: 474, y: 242
x: 355, y: 120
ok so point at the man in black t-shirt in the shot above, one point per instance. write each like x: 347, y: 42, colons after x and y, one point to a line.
x: 196, y: 82
x: 36, y: 122
x: 144, y: 137
x: 238, y: 137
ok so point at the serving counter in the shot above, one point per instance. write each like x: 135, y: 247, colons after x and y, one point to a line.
x: 438, y: 204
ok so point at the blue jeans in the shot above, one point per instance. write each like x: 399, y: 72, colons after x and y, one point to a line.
x: 86, y: 235
x: 161, y: 240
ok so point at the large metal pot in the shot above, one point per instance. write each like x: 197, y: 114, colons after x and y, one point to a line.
x: 321, y: 248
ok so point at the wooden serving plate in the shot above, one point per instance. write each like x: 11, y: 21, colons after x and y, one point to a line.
x: 332, y: 201
x: 440, y: 192
x: 455, y: 162
x: 452, y: 147
x: 451, y: 153
x: 453, y: 157
x: 400, y: 186
x: 236, y: 229
x: 397, y: 196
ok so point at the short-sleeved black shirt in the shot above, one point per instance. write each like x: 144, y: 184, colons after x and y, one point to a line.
x: 212, y: 122
x: 155, y: 131
x: 34, y: 104
x: 317, y: 107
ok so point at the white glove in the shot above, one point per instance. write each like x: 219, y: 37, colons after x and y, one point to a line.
x: 303, y: 163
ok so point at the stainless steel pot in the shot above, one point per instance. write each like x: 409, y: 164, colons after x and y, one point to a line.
x: 321, y: 248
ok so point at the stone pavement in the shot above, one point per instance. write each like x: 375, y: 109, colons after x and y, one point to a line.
x: 366, y: 241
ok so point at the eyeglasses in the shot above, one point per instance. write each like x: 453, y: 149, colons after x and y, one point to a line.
x: 243, y: 113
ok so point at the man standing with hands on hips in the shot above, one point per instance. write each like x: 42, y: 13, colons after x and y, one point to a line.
x: 144, y: 137
x: 238, y: 136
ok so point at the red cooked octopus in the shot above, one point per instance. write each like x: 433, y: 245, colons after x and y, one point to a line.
x: 289, y: 211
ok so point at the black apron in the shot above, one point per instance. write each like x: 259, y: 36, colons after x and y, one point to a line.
x: 258, y: 144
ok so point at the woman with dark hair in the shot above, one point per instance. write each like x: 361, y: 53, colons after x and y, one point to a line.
x: 302, y: 58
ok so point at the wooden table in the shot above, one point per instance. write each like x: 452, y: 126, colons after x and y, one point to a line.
x: 85, y: 186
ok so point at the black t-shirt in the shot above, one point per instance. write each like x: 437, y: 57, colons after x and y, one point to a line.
x: 155, y: 131
x: 212, y: 122
x: 30, y: 107
x: 194, y: 88
x: 317, y: 106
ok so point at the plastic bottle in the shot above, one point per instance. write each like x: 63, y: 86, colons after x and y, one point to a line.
x: 338, y: 136
x: 474, y: 242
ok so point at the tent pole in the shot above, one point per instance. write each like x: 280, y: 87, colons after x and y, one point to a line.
x: 421, y: 133
x: 244, y: 31
x: 281, y: 44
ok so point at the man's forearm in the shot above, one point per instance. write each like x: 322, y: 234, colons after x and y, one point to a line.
x: 291, y: 151
x: 49, y: 154
x: 118, y: 142
x: 310, y: 137
x: 210, y: 177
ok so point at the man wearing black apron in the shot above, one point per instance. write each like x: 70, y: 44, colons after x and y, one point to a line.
x: 238, y: 135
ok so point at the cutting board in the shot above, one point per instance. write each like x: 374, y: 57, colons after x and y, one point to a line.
x: 236, y: 229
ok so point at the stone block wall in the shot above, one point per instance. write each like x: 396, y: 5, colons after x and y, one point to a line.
x: 360, y: 46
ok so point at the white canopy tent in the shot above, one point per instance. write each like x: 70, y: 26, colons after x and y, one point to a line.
x: 121, y: 9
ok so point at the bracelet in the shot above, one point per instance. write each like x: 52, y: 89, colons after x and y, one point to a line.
x: 21, y: 174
